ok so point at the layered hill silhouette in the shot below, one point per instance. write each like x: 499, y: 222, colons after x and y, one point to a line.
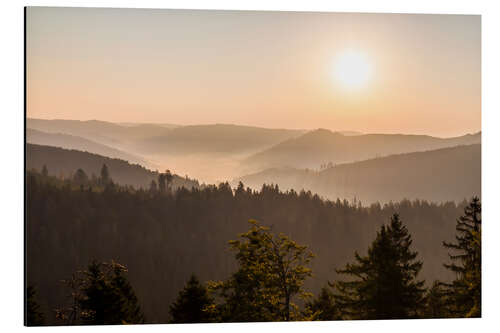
x: 64, y: 162
x: 98, y: 131
x: 169, y: 139
x: 438, y: 175
x: 217, y: 138
x: 68, y: 141
x: 322, y: 146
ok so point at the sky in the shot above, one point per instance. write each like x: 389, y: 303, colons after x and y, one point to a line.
x: 267, y: 69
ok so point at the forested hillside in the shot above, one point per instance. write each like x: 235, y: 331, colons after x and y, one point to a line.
x: 164, y: 237
x: 63, y: 163
x: 215, y: 139
x: 320, y: 147
x: 96, y: 130
x: 67, y: 141
x: 437, y: 175
x: 170, y: 139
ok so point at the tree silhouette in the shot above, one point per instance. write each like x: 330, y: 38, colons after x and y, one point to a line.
x: 385, y: 282
x: 153, y: 187
x: 105, y: 179
x: 192, y: 304
x: 465, y: 291
x: 45, y: 171
x: 190, y: 228
x: 101, y: 295
x: 34, y: 317
x: 322, y: 307
x: 80, y: 178
x: 169, y: 178
x: 435, y: 302
x: 161, y: 182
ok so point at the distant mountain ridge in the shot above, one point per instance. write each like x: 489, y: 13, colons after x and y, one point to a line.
x: 436, y: 175
x: 98, y: 131
x: 169, y: 139
x: 217, y: 138
x: 65, y: 162
x: 68, y: 141
x: 322, y: 146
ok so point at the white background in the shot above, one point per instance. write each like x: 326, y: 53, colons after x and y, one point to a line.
x: 12, y: 141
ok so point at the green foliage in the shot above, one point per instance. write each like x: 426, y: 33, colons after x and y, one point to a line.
x: 34, y: 317
x: 385, y: 282
x: 101, y: 295
x: 464, y: 292
x: 192, y: 304
x: 190, y: 228
x: 323, y: 307
x: 271, y: 272
x: 435, y: 302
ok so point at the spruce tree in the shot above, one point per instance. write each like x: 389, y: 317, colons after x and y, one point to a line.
x: 45, y: 171
x: 161, y: 183
x: 34, y: 317
x: 101, y: 295
x: 105, y: 179
x: 192, y: 304
x: 153, y: 187
x: 435, y: 302
x: 322, y: 307
x: 169, y: 178
x: 108, y: 296
x: 385, y: 284
x: 464, y: 292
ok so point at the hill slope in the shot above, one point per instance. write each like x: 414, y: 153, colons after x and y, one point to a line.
x: 323, y: 146
x: 437, y: 175
x: 215, y: 139
x: 78, y: 143
x: 65, y: 162
x: 164, y: 239
x: 160, y: 139
x: 98, y: 131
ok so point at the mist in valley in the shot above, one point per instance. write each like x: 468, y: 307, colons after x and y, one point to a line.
x: 346, y: 165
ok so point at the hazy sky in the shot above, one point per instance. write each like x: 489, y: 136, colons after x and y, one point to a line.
x: 270, y: 69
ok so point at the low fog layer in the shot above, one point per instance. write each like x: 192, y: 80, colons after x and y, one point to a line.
x: 293, y: 159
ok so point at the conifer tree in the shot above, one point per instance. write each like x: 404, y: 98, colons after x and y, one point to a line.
x: 192, y: 303
x: 464, y: 292
x: 153, y: 187
x: 109, y: 297
x: 105, y: 175
x: 169, y: 178
x: 385, y: 284
x: 161, y: 182
x: 322, y: 307
x: 80, y: 178
x: 34, y: 317
x: 101, y: 295
x: 45, y: 171
x: 435, y: 302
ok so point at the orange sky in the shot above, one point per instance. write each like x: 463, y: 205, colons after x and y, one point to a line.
x: 270, y: 69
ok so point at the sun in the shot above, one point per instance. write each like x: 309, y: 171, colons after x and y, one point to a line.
x: 352, y: 69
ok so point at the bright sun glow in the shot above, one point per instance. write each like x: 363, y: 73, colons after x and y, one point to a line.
x: 353, y: 69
